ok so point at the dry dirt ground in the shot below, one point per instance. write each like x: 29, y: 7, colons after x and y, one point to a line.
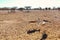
x: 14, y: 26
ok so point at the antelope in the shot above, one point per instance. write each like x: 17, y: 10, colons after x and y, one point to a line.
x: 35, y: 21
x: 45, y: 21
x: 32, y: 21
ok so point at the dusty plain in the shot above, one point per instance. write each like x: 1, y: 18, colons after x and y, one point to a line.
x: 14, y: 26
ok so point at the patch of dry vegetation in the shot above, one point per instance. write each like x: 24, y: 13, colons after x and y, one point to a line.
x: 14, y: 26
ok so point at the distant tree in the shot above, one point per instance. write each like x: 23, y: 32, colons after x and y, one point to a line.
x: 40, y: 8
x: 21, y: 9
x: 58, y: 8
x: 46, y: 8
x: 4, y: 8
x: 54, y: 8
x: 27, y: 8
x: 49, y: 8
x: 13, y: 9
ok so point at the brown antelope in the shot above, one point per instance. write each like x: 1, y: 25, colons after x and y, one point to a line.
x: 32, y: 21
x: 35, y: 21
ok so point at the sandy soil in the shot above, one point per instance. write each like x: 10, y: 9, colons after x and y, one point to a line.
x: 14, y: 26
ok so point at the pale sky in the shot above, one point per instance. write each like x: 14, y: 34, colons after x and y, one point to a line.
x: 33, y: 3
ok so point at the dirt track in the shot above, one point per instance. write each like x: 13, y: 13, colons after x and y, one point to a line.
x: 14, y: 26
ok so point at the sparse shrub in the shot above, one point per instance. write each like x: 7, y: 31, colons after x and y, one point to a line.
x: 32, y: 31
x: 40, y: 8
x: 5, y: 8
x: 21, y: 9
x: 44, y: 36
x: 54, y: 8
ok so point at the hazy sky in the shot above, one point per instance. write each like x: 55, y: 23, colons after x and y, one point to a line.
x: 33, y: 3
